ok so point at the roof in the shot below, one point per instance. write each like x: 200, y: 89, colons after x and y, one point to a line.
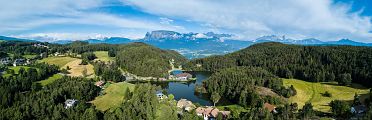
x: 99, y: 83
x: 213, y: 112
x: 184, y: 103
x: 269, y: 107
x: 70, y: 101
x: 159, y: 92
x: 225, y: 113
x: 360, y: 108
x: 184, y: 75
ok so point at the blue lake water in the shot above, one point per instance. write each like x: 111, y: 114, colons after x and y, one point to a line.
x: 186, y: 90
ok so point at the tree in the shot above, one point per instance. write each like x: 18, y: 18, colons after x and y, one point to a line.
x: 112, y: 53
x: 215, y: 98
x: 307, y: 111
x: 344, y: 79
x: 340, y: 109
x: 356, y: 100
x: 327, y: 94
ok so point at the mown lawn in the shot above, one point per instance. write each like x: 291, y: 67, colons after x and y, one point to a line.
x: 234, y: 109
x: 59, y: 61
x: 103, y: 56
x: 113, y: 96
x: 312, y: 92
x: 50, y: 79
x: 16, y: 70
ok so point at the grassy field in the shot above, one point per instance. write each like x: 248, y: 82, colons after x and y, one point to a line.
x: 234, y: 109
x: 113, y: 97
x: 16, y: 69
x: 77, y: 70
x: 103, y: 56
x: 312, y: 92
x: 60, y: 61
x: 50, y: 79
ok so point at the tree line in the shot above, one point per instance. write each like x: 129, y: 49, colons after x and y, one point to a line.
x: 344, y: 64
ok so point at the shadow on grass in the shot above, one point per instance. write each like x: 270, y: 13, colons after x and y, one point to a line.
x: 353, y: 85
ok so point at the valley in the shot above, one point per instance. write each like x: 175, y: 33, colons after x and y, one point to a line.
x: 136, y: 76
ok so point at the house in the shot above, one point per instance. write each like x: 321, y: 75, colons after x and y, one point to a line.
x: 19, y: 62
x: 210, y: 113
x: 160, y: 95
x: 5, y: 61
x: 70, y: 103
x: 183, y: 76
x: 271, y: 108
x: 359, y: 109
x: 162, y: 79
x: 100, y: 83
x: 186, y: 105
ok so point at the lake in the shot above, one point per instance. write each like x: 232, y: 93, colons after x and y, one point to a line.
x: 186, y: 90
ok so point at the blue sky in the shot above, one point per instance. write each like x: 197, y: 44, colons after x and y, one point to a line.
x: 327, y: 20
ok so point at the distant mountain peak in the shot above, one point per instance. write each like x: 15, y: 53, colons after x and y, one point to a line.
x: 171, y: 35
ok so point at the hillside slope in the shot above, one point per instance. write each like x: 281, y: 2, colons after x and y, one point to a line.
x: 311, y: 63
x: 145, y: 60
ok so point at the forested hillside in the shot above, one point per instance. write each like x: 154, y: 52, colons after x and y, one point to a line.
x: 145, y: 60
x: 238, y: 84
x: 47, y: 102
x: 312, y: 63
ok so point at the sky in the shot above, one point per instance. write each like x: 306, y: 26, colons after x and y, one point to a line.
x: 327, y: 20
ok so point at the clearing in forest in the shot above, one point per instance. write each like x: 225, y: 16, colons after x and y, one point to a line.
x: 113, y: 96
x: 59, y: 61
x: 78, y: 70
x: 312, y: 92
x: 103, y: 56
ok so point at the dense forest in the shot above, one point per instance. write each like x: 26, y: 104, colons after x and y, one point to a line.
x: 47, y: 102
x: 145, y: 60
x: 312, y: 63
x: 239, y: 85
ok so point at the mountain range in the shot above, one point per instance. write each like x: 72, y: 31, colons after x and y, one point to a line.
x: 196, y: 45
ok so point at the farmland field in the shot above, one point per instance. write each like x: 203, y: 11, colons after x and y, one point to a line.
x: 312, y: 92
x: 77, y: 70
x: 59, y: 61
x: 103, y: 56
x: 113, y: 96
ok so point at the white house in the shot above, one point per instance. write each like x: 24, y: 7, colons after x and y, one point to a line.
x: 70, y: 103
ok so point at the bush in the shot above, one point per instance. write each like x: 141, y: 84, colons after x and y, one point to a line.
x: 327, y: 94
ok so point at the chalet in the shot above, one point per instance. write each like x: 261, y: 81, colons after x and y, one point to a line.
x: 19, y: 62
x: 5, y: 61
x: 359, y: 109
x: 160, y: 95
x: 186, y: 105
x: 70, y: 103
x: 210, y: 113
x: 271, y: 108
x: 100, y: 83
x: 183, y: 76
x: 162, y: 79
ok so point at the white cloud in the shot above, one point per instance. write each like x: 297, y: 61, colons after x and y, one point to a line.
x: 166, y: 21
x: 20, y: 15
x: 321, y: 19
x: 48, y: 37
